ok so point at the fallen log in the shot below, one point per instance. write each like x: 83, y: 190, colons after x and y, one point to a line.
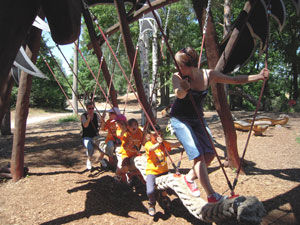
x: 259, y: 126
x: 281, y: 120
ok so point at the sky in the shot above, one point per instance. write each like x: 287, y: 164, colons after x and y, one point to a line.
x: 66, y: 49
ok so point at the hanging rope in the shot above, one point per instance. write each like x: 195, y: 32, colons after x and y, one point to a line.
x: 113, y: 73
x: 123, y: 72
x: 204, y: 31
x: 260, y: 95
x: 191, y: 98
x: 61, y: 88
x: 165, y: 31
x: 65, y: 78
x: 88, y: 66
x: 98, y: 75
x: 134, y: 62
x: 70, y: 67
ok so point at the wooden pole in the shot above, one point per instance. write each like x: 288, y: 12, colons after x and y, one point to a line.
x: 22, y: 107
x: 99, y: 54
x: 124, y: 27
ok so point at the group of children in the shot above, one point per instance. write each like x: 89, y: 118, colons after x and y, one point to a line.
x: 126, y: 138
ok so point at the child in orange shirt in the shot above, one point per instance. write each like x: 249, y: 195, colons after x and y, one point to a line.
x: 157, y: 165
x: 112, y: 140
x: 131, y: 142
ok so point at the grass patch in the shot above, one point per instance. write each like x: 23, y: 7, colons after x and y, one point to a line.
x: 72, y: 118
x: 298, y: 140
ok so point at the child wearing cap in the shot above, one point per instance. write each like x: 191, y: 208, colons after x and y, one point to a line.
x: 112, y: 140
x: 157, y: 165
x: 131, y: 142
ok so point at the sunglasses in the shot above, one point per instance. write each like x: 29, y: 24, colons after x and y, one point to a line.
x: 90, y: 108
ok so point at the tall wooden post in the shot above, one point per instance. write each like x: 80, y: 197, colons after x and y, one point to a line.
x: 22, y: 107
x: 75, y: 81
x: 218, y: 90
x: 99, y: 54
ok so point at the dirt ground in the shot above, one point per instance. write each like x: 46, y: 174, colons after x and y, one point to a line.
x: 59, y: 189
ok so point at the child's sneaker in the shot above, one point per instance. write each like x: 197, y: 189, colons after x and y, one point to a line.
x: 215, y: 198
x: 192, y: 187
x: 151, y: 210
x: 88, y: 164
x: 103, y: 163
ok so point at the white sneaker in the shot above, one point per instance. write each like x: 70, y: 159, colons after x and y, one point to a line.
x: 103, y: 163
x: 88, y: 164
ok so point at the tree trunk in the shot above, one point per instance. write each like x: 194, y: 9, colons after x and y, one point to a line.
x: 155, y: 81
x: 220, y: 100
x: 130, y: 50
x: 5, y: 125
x: 75, y: 81
x: 144, y: 52
x: 5, y: 94
x: 295, y: 79
x: 22, y: 108
x: 227, y: 17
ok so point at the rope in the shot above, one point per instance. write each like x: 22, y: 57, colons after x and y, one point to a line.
x: 70, y: 67
x: 61, y: 88
x: 191, y: 98
x: 65, y: 77
x: 165, y: 31
x: 259, y: 98
x: 113, y: 72
x: 98, y: 75
x: 134, y: 62
x: 122, y: 70
x: 204, y: 31
x: 243, y: 209
x: 83, y: 107
x: 94, y: 76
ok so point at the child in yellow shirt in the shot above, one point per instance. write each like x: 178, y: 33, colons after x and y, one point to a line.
x: 157, y: 165
x: 131, y: 142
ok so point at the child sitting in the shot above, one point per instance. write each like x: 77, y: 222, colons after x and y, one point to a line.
x: 131, y: 142
x: 157, y: 165
x: 112, y: 140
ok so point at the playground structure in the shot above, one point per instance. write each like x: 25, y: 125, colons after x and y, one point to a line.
x: 65, y: 28
x: 261, y: 123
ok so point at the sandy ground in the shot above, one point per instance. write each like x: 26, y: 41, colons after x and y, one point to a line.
x: 59, y: 189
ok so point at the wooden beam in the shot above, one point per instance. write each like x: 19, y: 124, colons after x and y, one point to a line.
x: 137, y: 15
x: 99, y: 54
x: 22, y: 107
x: 220, y: 100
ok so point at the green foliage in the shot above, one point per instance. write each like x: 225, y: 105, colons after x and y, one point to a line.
x: 182, y: 30
x: 45, y: 93
x: 72, y: 118
x: 298, y: 140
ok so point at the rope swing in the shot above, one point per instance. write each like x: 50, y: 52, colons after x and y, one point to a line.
x: 192, y: 100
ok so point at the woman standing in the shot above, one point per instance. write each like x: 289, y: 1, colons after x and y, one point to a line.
x: 184, y: 118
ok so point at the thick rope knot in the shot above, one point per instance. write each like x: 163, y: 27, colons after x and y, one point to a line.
x: 250, y: 210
